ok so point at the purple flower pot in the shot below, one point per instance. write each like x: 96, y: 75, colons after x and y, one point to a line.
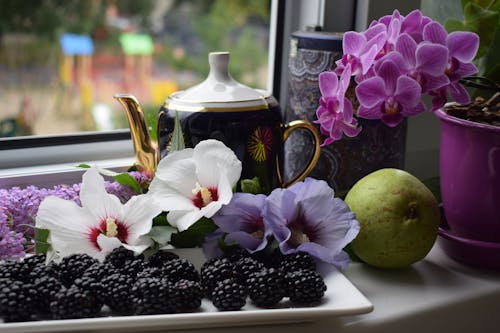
x: 470, y: 186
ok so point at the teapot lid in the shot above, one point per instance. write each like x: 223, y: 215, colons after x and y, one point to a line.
x: 219, y: 87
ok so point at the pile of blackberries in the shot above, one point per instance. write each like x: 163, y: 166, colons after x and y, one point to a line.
x: 79, y: 286
x: 266, y: 281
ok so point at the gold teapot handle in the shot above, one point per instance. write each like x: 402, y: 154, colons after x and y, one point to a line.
x: 289, y: 128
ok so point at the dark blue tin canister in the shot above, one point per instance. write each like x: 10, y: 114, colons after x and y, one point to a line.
x: 344, y: 162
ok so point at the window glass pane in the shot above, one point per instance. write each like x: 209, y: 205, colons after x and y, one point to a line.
x: 61, y: 61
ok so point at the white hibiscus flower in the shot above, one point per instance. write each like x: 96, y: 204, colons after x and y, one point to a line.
x: 195, y: 182
x: 101, y: 224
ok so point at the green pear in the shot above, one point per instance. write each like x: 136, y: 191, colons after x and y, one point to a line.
x: 399, y: 218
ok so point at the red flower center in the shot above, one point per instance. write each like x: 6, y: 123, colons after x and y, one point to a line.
x: 204, y: 196
x: 110, y: 227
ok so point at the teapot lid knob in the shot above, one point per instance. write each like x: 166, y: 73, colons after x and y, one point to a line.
x: 219, y: 66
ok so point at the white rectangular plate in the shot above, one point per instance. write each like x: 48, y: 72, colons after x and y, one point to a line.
x: 341, y: 298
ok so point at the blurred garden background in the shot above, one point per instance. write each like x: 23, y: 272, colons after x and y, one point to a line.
x: 61, y: 61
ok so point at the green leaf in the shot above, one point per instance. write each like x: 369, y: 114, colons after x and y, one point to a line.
x: 123, y: 178
x: 251, y: 185
x: 454, y: 25
x: 83, y: 166
x: 483, y: 22
x: 495, y: 4
x: 128, y: 180
x: 489, y: 66
x: 162, y: 233
x: 177, y: 142
x: 41, y: 240
x: 195, y: 235
x: 161, y: 219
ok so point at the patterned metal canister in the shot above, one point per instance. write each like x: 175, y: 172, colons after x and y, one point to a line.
x: 344, y: 162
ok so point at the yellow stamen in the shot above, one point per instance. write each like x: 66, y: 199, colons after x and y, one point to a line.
x: 206, y: 195
x: 111, y: 227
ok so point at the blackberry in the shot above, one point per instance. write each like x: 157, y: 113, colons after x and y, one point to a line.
x: 190, y: 295
x: 35, y: 260
x: 229, y: 295
x: 235, y: 254
x: 150, y: 272
x: 178, y: 269
x: 11, y: 270
x: 267, y: 287
x: 117, y: 291
x: 154, y: 296
x: 90, y: 284
x: 32, y: 267
x: 118, y: 256
x: 214, y: 270
x: 100, y: 270
x: 160, y: 258
x: 132, y: 267
x: 16, y: 301
x: 46, y: 289
x: 296, y: 261
x: 305, y: 286
x: 72, y: 302
x: 73, y: 266
x: 246, y: 266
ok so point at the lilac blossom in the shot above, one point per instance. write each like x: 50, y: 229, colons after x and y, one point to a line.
x: 307, y: 217
x: 243, y: 222
x: 335, y: 114
x: 11, y: 242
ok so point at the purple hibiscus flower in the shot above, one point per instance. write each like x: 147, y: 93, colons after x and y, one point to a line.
x: 242, y: 220
x: 307, y: 217
x: 335, y: 114
x: 389, y: 95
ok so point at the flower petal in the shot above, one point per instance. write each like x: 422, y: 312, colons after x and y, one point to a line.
x: 389, y: 72
x: 407, y: 46
x: 246, y: 241
x: 68, y: 223
x: 432, y: 58
x: 353, y: 43
x: 459, y: 93
x: 178, y: 171
x: 168, y: 197
x: 408, y: 91
x: 371, y: 92
x: 392, y: 119
x: 212, y: 159
x: 434, y: 32
x: 463, y: 45
x: 93, y: 195
x: 138, y: 214
x: 328, y: 84
x: 370, y: 113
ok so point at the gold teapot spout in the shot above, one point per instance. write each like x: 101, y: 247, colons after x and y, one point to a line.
x: 146, y: 151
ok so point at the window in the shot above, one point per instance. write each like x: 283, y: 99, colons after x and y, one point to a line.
x: 284, y: 18
x: 61, y: 94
